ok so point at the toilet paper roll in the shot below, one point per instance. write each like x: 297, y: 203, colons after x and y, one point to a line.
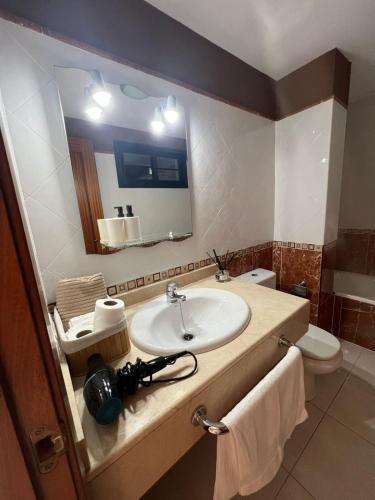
x: 116, y: 230
x: 108, y: 312
x: 103, y: 233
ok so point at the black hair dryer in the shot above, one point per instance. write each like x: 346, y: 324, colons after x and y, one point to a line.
x: 101, y: 392
x: 104, y: 389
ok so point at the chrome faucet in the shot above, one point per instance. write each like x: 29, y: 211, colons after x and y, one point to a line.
x: 172, y: 295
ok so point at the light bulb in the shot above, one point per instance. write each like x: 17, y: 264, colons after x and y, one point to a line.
x: 94, y: 112
x: 102, y: 97
x: 157, y: 123
x: 170, y: 110
x: 98, y: 90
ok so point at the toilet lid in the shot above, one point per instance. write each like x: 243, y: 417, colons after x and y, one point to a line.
x: 318, y: 344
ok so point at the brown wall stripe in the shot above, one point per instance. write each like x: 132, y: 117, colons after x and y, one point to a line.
x: 325, y: 77
x: 135, y: 33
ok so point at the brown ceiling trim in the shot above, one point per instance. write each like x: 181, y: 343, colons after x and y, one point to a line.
x: 325, y: 77
x: 134, y: 33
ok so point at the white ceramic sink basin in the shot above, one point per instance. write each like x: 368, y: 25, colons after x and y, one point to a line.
x: 211, y: 317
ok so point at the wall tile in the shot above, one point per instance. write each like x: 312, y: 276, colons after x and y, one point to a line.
x: 301, y: 265
x: 276, y: 264
x: 354, y: 321
x: 348, y: 324
x: 247, y: 262
x: 336, y: 156
x: 325, y: 314
x: 21, y: 77
x: 365, y: 336
x: 42, y: 113
x: 350, y: 304
x: 263, y: 259
x: 302, y: 167
x: 337, y: 308
x: 33, y: 169
x: 235, y: 267
x: 51, y: 233
x: 352, y: 251
x: 58, y: 194
x: 328, y: 267
x: 370, y: 264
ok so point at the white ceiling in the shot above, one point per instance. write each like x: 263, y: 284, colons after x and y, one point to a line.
x: 279, y: 36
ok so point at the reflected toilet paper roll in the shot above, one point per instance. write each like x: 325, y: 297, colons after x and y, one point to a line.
x: 116, y: 230
x: 103, y: 233
x: 108, y: 312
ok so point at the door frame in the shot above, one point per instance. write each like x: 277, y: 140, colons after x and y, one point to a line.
x: 52, y: 400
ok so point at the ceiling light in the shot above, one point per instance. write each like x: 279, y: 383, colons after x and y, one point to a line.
x: 170, y: 111
x: 92, y: 109
x: 98, y: 90
x: 157, y: 123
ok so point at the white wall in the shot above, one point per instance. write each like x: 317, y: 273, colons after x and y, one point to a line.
x: 161, y: 210
x: 308, y: 163
x: 358, y: 182
x: 336, y: 160
x: 232, y: 160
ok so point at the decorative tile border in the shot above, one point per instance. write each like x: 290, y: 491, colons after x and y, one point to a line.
x: 141, y: 281
x: 298, y: 246
x: 176, y: 271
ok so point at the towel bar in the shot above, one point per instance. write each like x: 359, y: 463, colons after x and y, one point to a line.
x: 284, y: 342
x: 199, y: 416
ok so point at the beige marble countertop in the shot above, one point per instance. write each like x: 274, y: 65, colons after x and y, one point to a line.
x: 146, y: 410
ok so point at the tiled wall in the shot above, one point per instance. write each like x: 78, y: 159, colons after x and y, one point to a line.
x: 242, y: 261
x: 354, y: 321
x: 231, y: 155
x: 296, y: 262
x: 356, y: 251
x: 308, y: 164
x: 326, y: 296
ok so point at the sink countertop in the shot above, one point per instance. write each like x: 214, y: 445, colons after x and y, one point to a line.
x: 150, y: 407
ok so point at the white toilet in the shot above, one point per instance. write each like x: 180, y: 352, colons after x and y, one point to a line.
x: 320, y: 349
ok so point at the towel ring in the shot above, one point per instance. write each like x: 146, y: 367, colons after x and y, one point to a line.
x: 199, y: 416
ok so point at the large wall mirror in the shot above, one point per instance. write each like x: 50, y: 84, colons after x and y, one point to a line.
x: 128, y: 148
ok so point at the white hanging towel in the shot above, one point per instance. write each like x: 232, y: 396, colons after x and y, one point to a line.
x: 250, y: 454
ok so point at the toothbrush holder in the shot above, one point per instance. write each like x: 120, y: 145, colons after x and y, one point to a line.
x: 222, y: 276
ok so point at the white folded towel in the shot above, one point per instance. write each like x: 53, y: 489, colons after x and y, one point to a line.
x: 250, y: 454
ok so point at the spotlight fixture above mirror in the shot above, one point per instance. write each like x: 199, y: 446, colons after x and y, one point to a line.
x: 97, y: 98
x: 92, y: 109
x: 98, y: 89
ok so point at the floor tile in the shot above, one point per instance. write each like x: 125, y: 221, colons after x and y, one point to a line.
x: 351, y: 354
x: 354, y: 406
x: 293, y: 491
x: 364, y: 368
x: 327, y: 386
x: 270, y: 491
x: 337, y: 464
x: 300, y: 437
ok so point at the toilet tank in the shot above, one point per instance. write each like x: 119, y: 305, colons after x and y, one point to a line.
x: 260, y: 277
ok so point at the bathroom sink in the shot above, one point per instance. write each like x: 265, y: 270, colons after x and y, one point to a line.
x: 211, y: 318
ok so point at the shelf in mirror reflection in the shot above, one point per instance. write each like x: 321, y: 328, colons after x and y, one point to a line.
x: 147, y: 241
